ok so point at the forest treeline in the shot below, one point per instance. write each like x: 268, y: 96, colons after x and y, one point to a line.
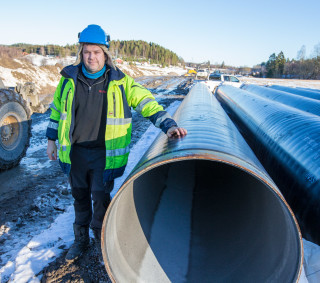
x: 139, y: 50
x: 128, y: 50
x: 48, y: 50
x: 301, y: 68
x: 277, y: 66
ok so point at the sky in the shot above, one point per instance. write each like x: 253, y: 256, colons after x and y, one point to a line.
x: 238, y: 33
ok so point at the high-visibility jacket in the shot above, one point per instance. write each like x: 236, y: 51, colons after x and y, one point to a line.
x: 122, y: 94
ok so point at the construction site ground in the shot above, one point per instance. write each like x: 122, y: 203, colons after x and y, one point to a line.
x: 33, y: 194
x: 36, y: 192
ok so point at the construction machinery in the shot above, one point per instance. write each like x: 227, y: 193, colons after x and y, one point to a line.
x: 191, y: 73
x: 16, y: 107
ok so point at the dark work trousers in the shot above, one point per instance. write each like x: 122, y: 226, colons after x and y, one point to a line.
x: 86, y: 180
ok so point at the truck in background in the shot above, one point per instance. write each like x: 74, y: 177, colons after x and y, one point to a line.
x: 216, y: 79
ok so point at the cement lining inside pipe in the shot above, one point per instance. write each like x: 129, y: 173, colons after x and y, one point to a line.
x: 200, y: 221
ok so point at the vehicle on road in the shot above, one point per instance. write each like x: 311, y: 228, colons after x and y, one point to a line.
x: 202, y: 73
x: 217, y: 79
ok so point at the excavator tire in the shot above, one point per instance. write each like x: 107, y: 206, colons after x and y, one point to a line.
x: 15, y: 128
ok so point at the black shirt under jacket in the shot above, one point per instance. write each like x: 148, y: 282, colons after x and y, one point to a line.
x: 90, y: 111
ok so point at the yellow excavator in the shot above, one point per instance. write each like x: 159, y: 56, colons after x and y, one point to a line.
x: 191, y: 73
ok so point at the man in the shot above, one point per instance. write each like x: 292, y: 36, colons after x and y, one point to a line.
x: 91, y: 118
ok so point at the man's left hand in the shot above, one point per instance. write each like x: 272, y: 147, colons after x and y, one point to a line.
x: 176, y: 132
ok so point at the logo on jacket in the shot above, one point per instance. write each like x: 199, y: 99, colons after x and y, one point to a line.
x: 102, y: 91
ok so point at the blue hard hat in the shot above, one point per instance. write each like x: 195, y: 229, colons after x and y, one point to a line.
x: 94, y: 34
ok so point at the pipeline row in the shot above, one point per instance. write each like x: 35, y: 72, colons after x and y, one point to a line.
x: 202, y: 208
x: 310, y: 93
x: 283, y: 128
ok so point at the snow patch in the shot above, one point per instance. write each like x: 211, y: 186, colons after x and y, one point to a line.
x: 41, y: 250
x: 39, y: 60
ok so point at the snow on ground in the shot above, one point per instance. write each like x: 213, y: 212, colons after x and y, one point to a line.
x: 43, y: 71
x: 7, y: 77
x: 35, y: 142
x: 315, y: 84
x: 37, y: 72
x: 42, y: 77
x: 166, y: 87
x: 39, y: 60
x: 150, y: 70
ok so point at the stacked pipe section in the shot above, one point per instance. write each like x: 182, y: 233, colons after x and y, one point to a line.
x: 287, y: 142
x: 300, y: 102
x: 201, y: 209
x: 306, y: 88
x: 298, y: 91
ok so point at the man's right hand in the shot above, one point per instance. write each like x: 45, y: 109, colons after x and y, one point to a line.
x: 52, y: 150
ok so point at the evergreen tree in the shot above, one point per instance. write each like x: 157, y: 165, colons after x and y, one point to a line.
x: 280, y: 62
x: 271, y: 66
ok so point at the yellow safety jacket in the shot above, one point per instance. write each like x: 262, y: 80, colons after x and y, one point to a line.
x: 122, y: 94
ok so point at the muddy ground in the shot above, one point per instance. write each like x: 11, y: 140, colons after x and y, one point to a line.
x: 33, y: 194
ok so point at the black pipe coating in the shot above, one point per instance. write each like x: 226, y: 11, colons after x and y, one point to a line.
x: 287, y: 143
x: 299, y: 102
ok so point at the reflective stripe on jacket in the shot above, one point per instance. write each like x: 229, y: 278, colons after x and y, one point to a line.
x: 122, y: 94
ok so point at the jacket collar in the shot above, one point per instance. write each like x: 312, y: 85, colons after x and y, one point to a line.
x: 73, y: 71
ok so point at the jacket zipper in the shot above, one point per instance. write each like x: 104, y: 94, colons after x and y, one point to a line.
x: 89, y: 87
x: 65, y: 108
x: 114, y: 104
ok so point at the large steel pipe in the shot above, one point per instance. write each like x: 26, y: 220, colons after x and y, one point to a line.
x: 201, y: 209
x: 312, y: 89
x: 300, y: 102
x: 298, y: 91
x: 287, y: 142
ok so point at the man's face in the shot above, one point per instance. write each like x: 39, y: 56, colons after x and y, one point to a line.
x: 93, y: 58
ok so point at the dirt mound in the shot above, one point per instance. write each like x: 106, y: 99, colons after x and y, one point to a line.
x: 9, y: 63
x: 131, y: 70
x: 55, y: 69
x: 47, y: 89
x: 22, y: 76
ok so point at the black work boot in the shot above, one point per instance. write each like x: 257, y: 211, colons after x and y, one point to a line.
x: 81, y: 242
x: 97, y: 241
